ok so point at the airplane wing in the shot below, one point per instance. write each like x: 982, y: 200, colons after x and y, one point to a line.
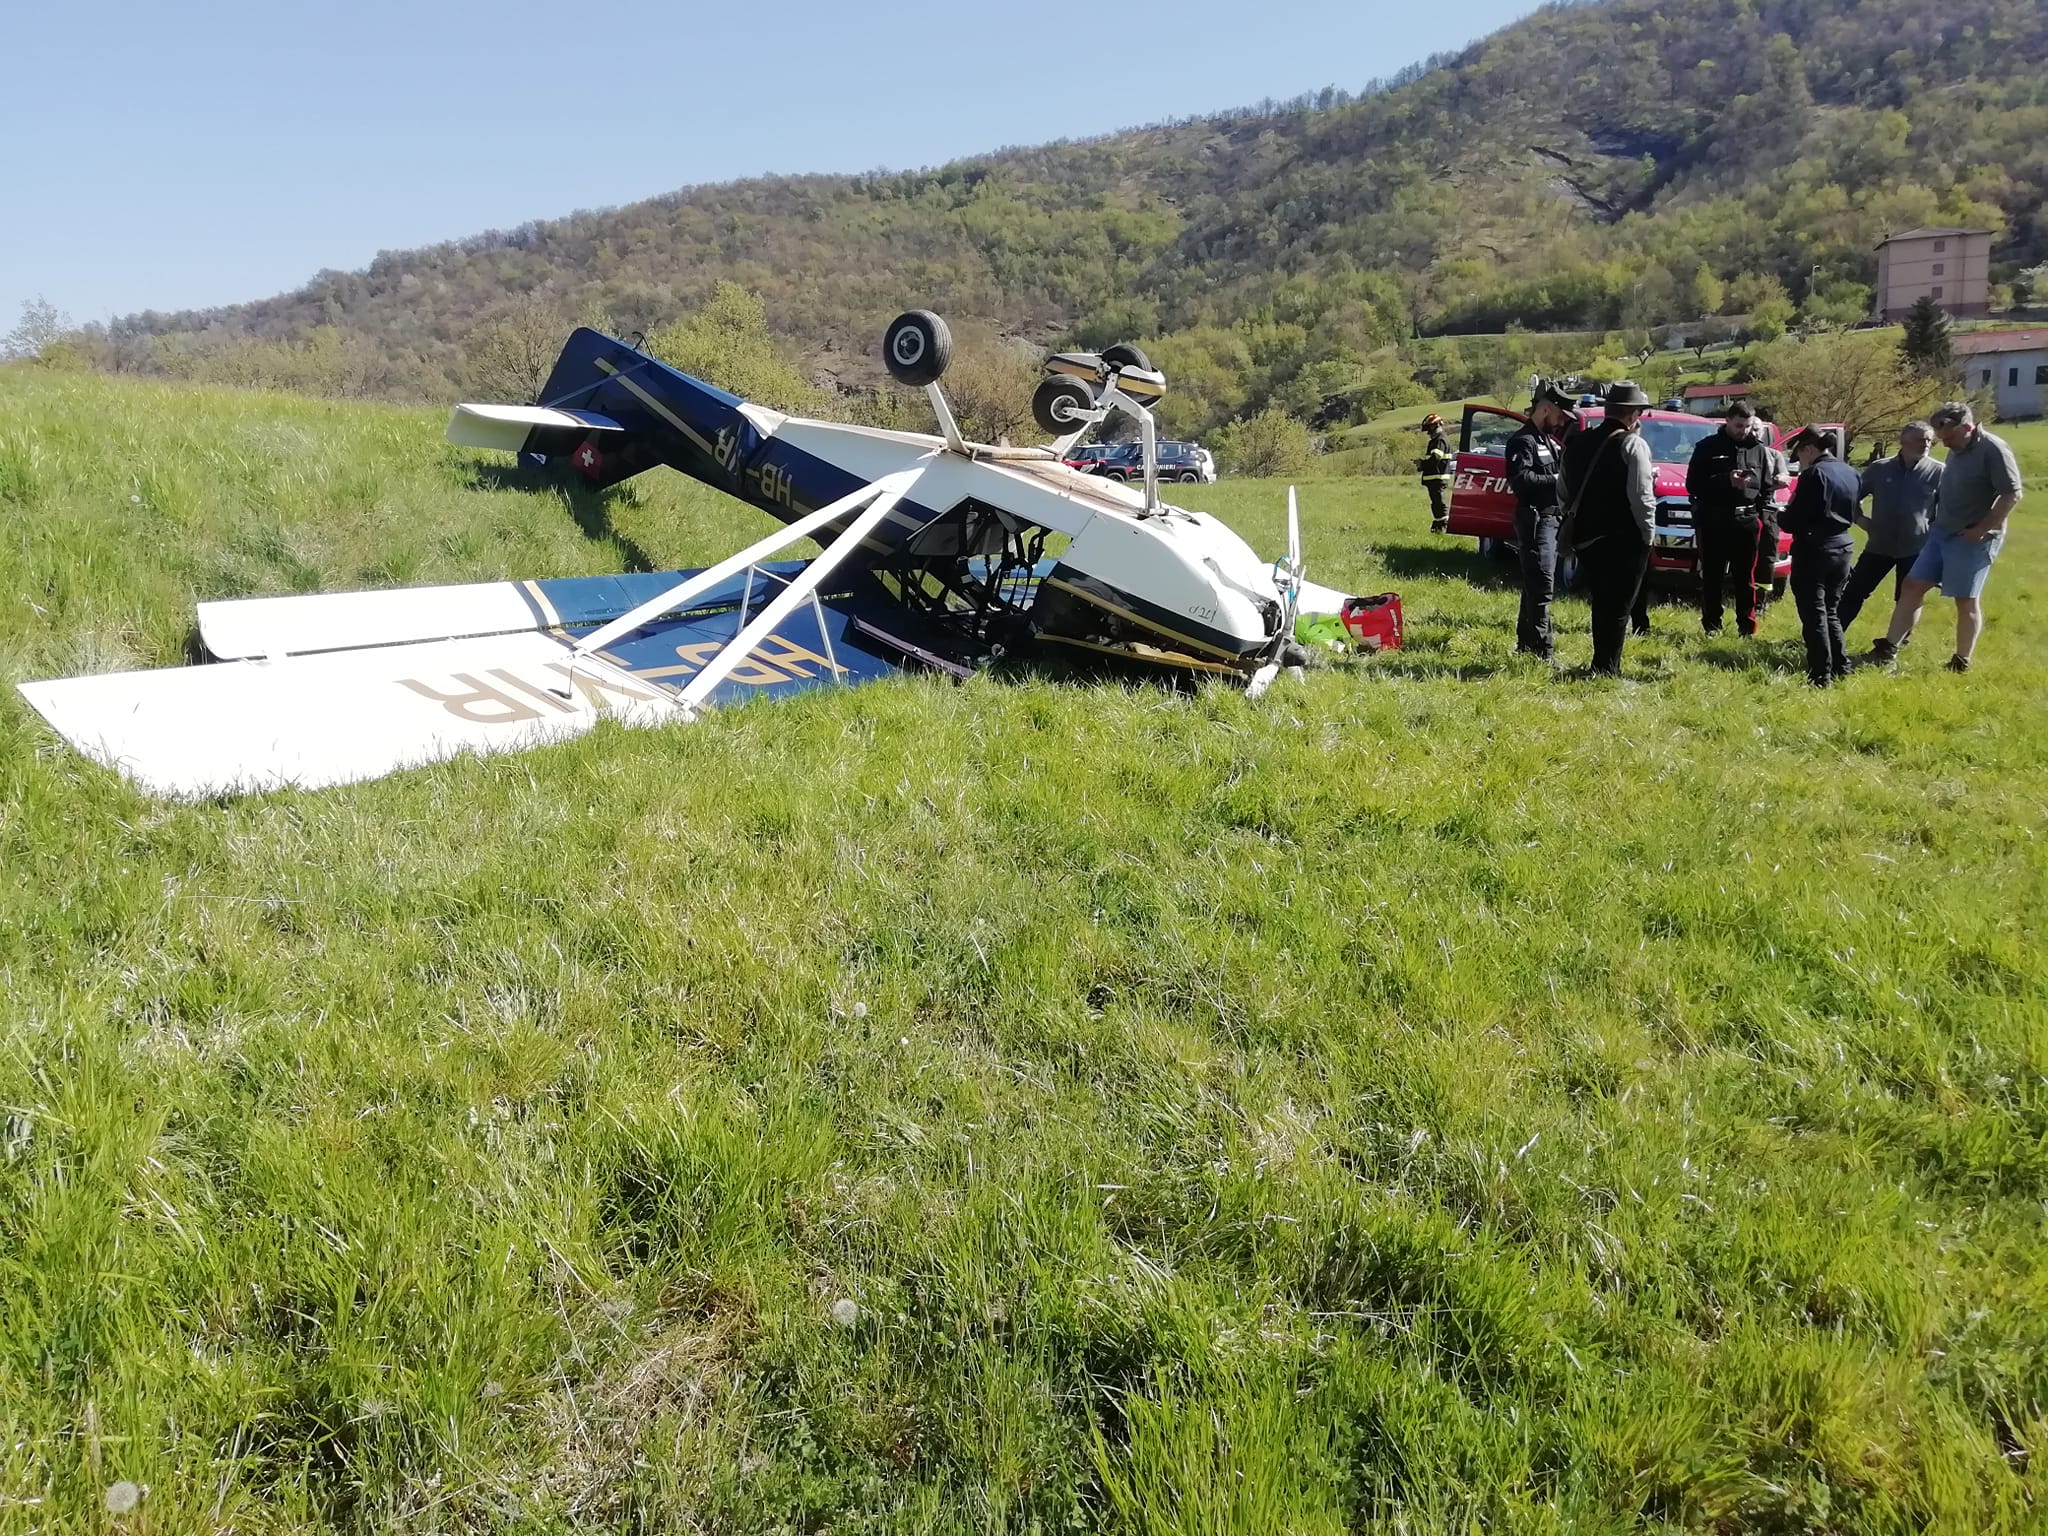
x: 340, y: 716
x: 348, y: 687
x: 250, y: 627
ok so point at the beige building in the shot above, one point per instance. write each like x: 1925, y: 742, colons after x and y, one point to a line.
x: 1950, y: 266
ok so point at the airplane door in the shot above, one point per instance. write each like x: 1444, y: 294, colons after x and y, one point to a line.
x: 1481, y: 504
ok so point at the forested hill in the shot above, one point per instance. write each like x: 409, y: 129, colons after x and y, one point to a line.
x: 1615, y: 164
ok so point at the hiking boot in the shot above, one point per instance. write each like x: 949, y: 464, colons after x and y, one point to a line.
x: 1882, y: 654
x: 1958, y: 663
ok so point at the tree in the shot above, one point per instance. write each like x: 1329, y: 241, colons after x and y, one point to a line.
x: 1708, y: 292
x: 989, y: 387
x: 1925, y: 347
x: 42, y: 325
x: 1857, y: 379
x: 727, y: 343
x: 510, y: 358
x: 1270, y: 443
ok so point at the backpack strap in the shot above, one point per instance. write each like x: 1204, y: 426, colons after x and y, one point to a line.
x: 1567, y: 524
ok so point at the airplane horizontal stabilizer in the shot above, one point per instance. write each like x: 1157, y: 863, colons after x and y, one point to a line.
x: 509, y: 427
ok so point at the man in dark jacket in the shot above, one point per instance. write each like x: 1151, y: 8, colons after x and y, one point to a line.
x: 1436, y: 465
x: 1902, y: 492
x: 1728, y: 480
x: 1825, y: 501
x: 1534, y: 457
x: 1610, y: 495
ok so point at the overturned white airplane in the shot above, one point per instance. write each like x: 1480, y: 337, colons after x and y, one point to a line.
x: 936, y: 553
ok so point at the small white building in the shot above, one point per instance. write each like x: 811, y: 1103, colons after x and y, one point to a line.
x: 2012, y: 365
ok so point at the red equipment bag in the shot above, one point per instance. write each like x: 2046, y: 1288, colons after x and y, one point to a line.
x: 1374, y: 623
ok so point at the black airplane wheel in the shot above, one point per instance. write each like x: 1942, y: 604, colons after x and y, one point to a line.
x: 1059, y: 404
x: 917, y: 347
x: 1124, y: 355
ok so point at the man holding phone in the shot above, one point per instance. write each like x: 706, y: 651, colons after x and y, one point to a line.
x: 1729, y: 479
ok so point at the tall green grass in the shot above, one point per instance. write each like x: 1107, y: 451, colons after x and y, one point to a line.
x: 1438, y: 1096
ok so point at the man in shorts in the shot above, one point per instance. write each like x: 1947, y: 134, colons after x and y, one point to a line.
x: 1980, y: 485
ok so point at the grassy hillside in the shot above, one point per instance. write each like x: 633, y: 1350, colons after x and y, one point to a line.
x: 1616, y: 164
x: 1438, y: 1096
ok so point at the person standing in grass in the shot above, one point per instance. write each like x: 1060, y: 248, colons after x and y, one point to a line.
x: 1765, y: 575
x: 1980, y: 485
x: 1436, y: 464
x: 1534, y: 457
x: 1728, y: 480
x: 1823, y: 508
x: 1902, y: 492
x: 1610, y: 489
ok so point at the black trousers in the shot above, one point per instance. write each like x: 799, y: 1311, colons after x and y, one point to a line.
x: 1767, y: 550
x: 1727, y: 544
x: 1439, y: 514
x: 1536, y: 541
x: 1613, y: 568
x: 1819, y: 573
x: 1870, y: 572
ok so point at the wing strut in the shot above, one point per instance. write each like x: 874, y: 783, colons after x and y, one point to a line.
x: 892, y: 486
x: 880, y: 497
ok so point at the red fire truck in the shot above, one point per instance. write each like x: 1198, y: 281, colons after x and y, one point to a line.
x: 1483, y: 507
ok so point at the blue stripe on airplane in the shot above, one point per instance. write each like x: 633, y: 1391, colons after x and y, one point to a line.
x: 799, y: 656
x: 580, y: 601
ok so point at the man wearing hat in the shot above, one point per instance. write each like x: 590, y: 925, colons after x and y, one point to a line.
x: 1435, y: 465
x: 1533, y: 460
x: 1728, y: 480
x: 1826, y: 499
x: 1610, y: 496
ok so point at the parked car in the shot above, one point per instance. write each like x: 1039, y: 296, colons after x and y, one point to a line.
x: 1483, y: 507
x: 1188, y: 463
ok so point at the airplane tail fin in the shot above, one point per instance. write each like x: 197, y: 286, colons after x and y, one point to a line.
x: 611, y: 411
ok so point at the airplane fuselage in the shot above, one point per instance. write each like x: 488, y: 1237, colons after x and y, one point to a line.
x: 1177, y: 580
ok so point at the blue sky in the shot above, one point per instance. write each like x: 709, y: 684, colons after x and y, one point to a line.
x: 167, y: 157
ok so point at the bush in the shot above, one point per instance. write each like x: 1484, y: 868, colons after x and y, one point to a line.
x: 1270, y: 443
x: 1384, y: 455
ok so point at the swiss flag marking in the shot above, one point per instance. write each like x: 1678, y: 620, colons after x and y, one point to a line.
x: 587, y: 459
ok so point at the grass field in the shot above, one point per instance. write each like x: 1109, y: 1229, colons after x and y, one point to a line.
x: 1440, y: 1096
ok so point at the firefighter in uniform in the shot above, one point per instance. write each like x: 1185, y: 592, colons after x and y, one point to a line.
x: 1534, y: 460
x: 1767, y: 534
x: 1435, y: 465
